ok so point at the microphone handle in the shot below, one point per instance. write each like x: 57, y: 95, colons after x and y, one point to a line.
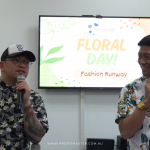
x: 19, y: 98
x: 20, y: 93
x: 35, y: 147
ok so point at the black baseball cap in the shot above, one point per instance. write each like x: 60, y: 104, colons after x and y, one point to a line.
x: 17, y: 49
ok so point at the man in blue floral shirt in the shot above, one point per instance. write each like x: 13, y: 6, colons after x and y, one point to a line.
x: 133, y: 115
x: 28, y: 123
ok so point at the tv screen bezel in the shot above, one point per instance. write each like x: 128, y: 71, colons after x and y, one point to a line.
x: 83, y: 16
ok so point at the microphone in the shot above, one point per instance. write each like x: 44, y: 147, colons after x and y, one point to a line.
x: 19, y: 92
x: 35, y: 147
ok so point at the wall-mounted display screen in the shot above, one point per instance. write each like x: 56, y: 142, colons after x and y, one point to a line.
x: 89, y: 52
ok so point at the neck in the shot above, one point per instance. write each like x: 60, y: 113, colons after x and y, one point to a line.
x: 9, y: 81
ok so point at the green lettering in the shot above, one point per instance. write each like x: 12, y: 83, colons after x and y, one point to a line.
x: 109, y: 59
x: 101, y: 59
x: 91, y: 59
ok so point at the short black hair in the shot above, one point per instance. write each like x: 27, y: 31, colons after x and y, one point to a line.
x: 145, y: 41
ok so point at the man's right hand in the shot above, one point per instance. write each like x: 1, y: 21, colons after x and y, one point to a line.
x: 147, y: 93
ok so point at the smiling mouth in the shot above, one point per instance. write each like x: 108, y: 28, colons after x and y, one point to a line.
x: 144, y: 68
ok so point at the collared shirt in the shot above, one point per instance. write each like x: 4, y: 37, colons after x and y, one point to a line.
x: 12, y: 135
x: 129, y: 97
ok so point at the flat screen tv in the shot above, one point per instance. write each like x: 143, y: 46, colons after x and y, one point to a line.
x: 89, y: 51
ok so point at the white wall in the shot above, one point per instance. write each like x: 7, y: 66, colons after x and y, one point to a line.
x: 19, y: 24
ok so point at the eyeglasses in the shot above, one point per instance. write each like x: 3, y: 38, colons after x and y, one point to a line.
x: 18, y: 61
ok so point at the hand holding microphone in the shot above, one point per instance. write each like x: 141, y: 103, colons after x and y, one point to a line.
x: 23, y: 91
x: 19, y: 92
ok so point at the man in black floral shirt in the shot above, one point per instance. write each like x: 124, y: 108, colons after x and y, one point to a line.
x: 19, y: 126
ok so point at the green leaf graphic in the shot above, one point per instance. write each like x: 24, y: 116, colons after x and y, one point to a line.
x: 41, y: 49
x: 54, y: 50
x: 53, y: 60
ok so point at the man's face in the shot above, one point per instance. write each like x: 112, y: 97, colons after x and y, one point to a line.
x: 144, y: 60
x: 12, y: 68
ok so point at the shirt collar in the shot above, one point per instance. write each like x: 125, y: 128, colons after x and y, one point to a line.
x: 4, y: 85
x: 144, y: 79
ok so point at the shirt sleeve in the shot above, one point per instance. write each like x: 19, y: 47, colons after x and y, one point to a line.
x: 39, y: 109
x: 126, y: 103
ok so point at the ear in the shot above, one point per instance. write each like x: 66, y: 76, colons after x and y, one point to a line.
x: 2, y: 65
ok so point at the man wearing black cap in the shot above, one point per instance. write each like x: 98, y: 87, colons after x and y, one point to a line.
x: 133, y: 114
x: 19, y: 127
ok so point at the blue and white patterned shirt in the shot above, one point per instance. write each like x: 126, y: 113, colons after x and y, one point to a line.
x: 129, y: 97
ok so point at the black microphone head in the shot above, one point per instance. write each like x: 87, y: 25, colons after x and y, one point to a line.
x: 35, y: 147
x: 20, y: 77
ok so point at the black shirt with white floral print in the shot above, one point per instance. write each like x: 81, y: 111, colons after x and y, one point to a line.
x: 12, y: 135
